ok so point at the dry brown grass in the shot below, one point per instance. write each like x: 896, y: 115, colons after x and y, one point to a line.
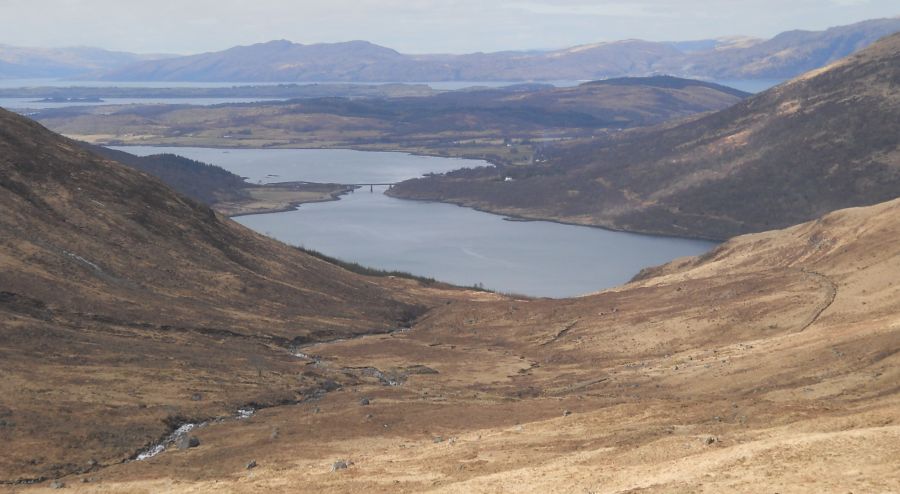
x: 741, y: 371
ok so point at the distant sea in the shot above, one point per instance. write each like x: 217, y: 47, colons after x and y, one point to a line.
x: 749, y: 85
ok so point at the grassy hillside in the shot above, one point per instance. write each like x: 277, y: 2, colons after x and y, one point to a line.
x: 121, y: 299
x: 824, y: 141
x: 127, y: 311
x: 201, y: 181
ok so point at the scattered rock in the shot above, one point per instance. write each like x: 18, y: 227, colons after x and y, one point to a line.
x: 340, y: 465
x: 251, y: 464
x: 182, y: 442
x: 420, y: 370
x: 364, y: 401
x: 185, y: 442
x: 330, y: 385
x: 57, y: 484
x: 392, y: 377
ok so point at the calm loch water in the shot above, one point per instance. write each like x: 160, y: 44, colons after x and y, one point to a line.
x: 447, y: 242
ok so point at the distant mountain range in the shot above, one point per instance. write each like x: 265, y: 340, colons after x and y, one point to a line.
x: 786, y: 55
x: 824, y: 141
x: 21, y: 62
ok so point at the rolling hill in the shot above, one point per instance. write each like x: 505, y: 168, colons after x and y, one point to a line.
x: 24, y: 62
x: 205, y: 183
x: 824, y: 141
x: 441, y: 120
x: 787, y: 55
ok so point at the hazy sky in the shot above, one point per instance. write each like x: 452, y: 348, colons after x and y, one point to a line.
x: 412, y: 26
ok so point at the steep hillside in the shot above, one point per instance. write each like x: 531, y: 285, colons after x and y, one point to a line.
x: 770, y: 364
x: 824, y: 141
x: 203, y: 182
x: 787, y: 55
x: 124, y: 306
x: 223, y: 191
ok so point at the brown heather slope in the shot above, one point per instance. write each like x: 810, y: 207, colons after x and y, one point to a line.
x: 769, y: 365
x: 120, y: 299
x: 825, y: 141
x: 772, y: 363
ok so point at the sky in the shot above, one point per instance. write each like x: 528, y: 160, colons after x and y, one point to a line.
x: 410, y: 26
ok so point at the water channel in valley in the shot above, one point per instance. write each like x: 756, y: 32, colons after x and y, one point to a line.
x: 447, y: 242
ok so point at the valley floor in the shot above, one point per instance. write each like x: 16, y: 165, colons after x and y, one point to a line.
x: 771, y: 364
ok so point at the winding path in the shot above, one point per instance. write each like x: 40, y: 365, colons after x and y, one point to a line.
x: 831, y: 289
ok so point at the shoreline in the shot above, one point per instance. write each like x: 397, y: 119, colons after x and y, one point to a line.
x: 527, y: 219
x: 244, y: 209
x: 292, y: 206
x: 488, y: 161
